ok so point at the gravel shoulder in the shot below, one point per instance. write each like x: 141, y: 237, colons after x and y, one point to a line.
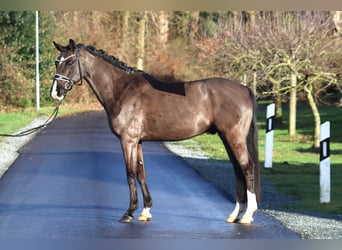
x: 221, y: 175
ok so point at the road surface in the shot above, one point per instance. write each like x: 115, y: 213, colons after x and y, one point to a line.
x: 70, y: 183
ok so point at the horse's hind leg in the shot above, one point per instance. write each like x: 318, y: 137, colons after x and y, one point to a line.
x: 145, y: 214
x: 244, y: 171
x: 241, y: 198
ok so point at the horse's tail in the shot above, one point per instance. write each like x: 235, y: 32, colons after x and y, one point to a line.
x: 252, y: 146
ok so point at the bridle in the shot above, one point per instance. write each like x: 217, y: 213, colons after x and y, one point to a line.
x: 68, y: 83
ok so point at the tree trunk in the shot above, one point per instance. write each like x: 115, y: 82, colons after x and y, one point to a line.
x: 251, y: 15
x: 293, y: 105
x: 316, y: 115
x: 163, y: 23
x: 141, y: 41
x: 254, y: 84
x: 193, y: 25
x: 338, y: 21
x: 236, y: 20
x: 278, y: 118
x: 124, y: 35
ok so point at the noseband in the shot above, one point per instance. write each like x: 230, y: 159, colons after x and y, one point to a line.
x: 68, y: 83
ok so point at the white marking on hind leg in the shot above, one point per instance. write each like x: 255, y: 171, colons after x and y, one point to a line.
x: 239, y: 208
x: 145, y: 214
x: 252, y: 206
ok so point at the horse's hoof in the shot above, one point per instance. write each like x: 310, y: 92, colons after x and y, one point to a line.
x: 144, y: 217
x: 126, y: 218
x: 246, y: 220
x: 232, y: 219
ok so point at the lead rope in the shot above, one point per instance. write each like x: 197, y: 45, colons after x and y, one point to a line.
x: 51, y: 118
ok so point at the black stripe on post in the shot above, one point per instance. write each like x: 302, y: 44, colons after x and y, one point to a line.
x: 324, y: 149
x: 269, y: 124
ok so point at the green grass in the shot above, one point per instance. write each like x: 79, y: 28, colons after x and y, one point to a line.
x: 295, y: 168
x: 10, y: 122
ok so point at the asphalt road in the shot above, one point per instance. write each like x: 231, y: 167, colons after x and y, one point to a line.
x: 70, y: 182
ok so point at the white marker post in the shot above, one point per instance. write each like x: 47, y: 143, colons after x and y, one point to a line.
x: 269, y: 135
x: 324, y: 166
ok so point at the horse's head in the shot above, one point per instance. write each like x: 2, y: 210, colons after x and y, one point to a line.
x: 68, y: 70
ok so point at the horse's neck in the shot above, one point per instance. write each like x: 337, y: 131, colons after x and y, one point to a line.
x: 104, y: 79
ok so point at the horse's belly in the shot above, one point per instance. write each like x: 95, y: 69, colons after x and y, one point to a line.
x: 176, y: 128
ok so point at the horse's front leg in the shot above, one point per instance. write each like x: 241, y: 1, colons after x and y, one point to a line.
x: 145, y: 214
x: 130, y: 151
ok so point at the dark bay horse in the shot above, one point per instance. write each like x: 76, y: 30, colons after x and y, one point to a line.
x: 141, y: 108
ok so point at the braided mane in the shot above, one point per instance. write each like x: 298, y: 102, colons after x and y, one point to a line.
x: 111, y: 59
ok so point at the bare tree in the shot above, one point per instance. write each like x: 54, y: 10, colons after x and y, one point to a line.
x: 338, y: 21
x: 141, y: 41
x: 124, y: 34
x: 252, y: 17
x: 163, y: 24
x: 193, y: 25
x: 289, y: 51
x: 293, y: 105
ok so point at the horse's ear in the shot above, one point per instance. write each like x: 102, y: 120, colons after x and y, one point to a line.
x: 72, y: 44
x: 59, y: 47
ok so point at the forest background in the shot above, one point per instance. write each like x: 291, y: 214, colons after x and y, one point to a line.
x: 284, y: 56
